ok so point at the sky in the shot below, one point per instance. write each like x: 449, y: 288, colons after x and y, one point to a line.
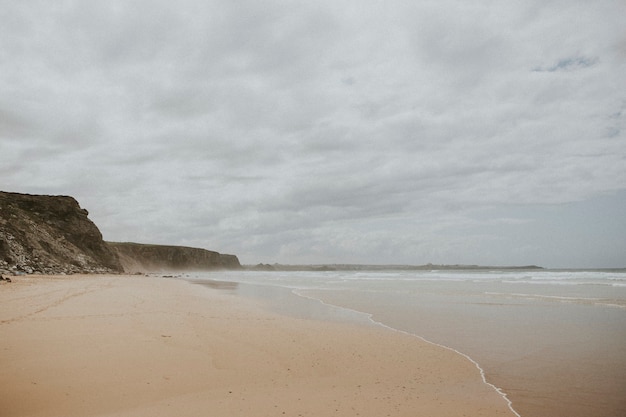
x: 327, y: 131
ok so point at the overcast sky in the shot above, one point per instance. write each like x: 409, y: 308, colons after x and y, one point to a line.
x: 327, y: 131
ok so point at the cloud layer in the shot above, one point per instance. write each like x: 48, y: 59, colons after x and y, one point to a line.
x: 343, y: 131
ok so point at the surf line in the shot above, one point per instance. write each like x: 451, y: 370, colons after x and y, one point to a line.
x: 378, y: 323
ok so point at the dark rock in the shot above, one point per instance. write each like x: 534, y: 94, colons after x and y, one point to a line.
x: 262, y: 267
x: 51, y: 234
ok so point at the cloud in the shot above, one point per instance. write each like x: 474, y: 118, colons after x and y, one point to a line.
x: 570, y: 64
x: 344, y: 130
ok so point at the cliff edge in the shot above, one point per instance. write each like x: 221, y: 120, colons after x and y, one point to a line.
x: 50, y: 235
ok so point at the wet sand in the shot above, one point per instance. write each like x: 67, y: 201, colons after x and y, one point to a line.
x: 552, y: 358
x: 139, y: 346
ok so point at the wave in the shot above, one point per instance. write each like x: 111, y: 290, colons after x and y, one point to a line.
x: 566, y: 299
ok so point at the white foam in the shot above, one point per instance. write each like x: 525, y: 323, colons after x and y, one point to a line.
x: 579, y: 300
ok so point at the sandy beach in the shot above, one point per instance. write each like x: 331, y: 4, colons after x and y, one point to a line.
x: 146, y: 346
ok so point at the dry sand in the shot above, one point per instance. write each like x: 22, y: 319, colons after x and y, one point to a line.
x: 146, y: 346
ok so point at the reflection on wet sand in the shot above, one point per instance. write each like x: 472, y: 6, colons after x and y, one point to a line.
x: 218, y: 285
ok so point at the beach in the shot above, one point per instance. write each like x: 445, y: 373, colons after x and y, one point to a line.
x: 552, y: 340
x: 115, y: 345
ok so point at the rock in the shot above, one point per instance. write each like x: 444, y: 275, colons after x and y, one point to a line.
x: 136, y: 257
x: 51, y: 234
x: 263, y: 267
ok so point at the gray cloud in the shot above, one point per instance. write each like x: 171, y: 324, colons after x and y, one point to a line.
x: 323, y: 132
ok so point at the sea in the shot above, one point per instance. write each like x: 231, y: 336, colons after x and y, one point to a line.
x: 553, y: 342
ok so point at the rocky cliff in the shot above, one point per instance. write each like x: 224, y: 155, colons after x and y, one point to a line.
x: 53, y: 235
x: 136, y: 257
x: 50, y: 235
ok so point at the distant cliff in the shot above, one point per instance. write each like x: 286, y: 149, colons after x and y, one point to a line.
x: 45, y: 234
x: 50, y: 235
x: 136, y: 257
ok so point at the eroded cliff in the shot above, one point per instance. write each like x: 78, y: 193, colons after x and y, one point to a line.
x: 136, y: 257
x: 50, y: 235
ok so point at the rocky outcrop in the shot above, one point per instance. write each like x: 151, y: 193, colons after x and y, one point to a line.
x: 44, y: 234
x: 50, y: 235
x: 136, y: 257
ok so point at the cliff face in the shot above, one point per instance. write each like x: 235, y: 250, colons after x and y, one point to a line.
x: 50, y: 235
x: 136, y: 257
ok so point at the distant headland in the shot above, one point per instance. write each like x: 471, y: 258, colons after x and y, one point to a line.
x: 364, y: 267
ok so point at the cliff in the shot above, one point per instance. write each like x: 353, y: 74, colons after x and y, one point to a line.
x: 136, y: 257
x: 42, y: 234
x: 50, y: 235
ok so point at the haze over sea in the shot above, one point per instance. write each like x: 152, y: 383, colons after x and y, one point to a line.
x: 554, y: 341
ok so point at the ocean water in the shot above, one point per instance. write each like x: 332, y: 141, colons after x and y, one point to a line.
x: 554, y: 342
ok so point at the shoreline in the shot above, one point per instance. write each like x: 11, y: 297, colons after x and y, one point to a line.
x: 116, y: 345
x: 543, y: 353
x: 233, y: 285
x: 370, y: 317
x: 550, y: 341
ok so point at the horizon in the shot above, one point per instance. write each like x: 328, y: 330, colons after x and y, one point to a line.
x: 460, y: 267
x: 327, y: 132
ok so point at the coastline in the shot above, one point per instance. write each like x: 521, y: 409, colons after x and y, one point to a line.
x: 370, y: 316
x: 574, y: 371
x: 550, y: 341
x: 116, y: 345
